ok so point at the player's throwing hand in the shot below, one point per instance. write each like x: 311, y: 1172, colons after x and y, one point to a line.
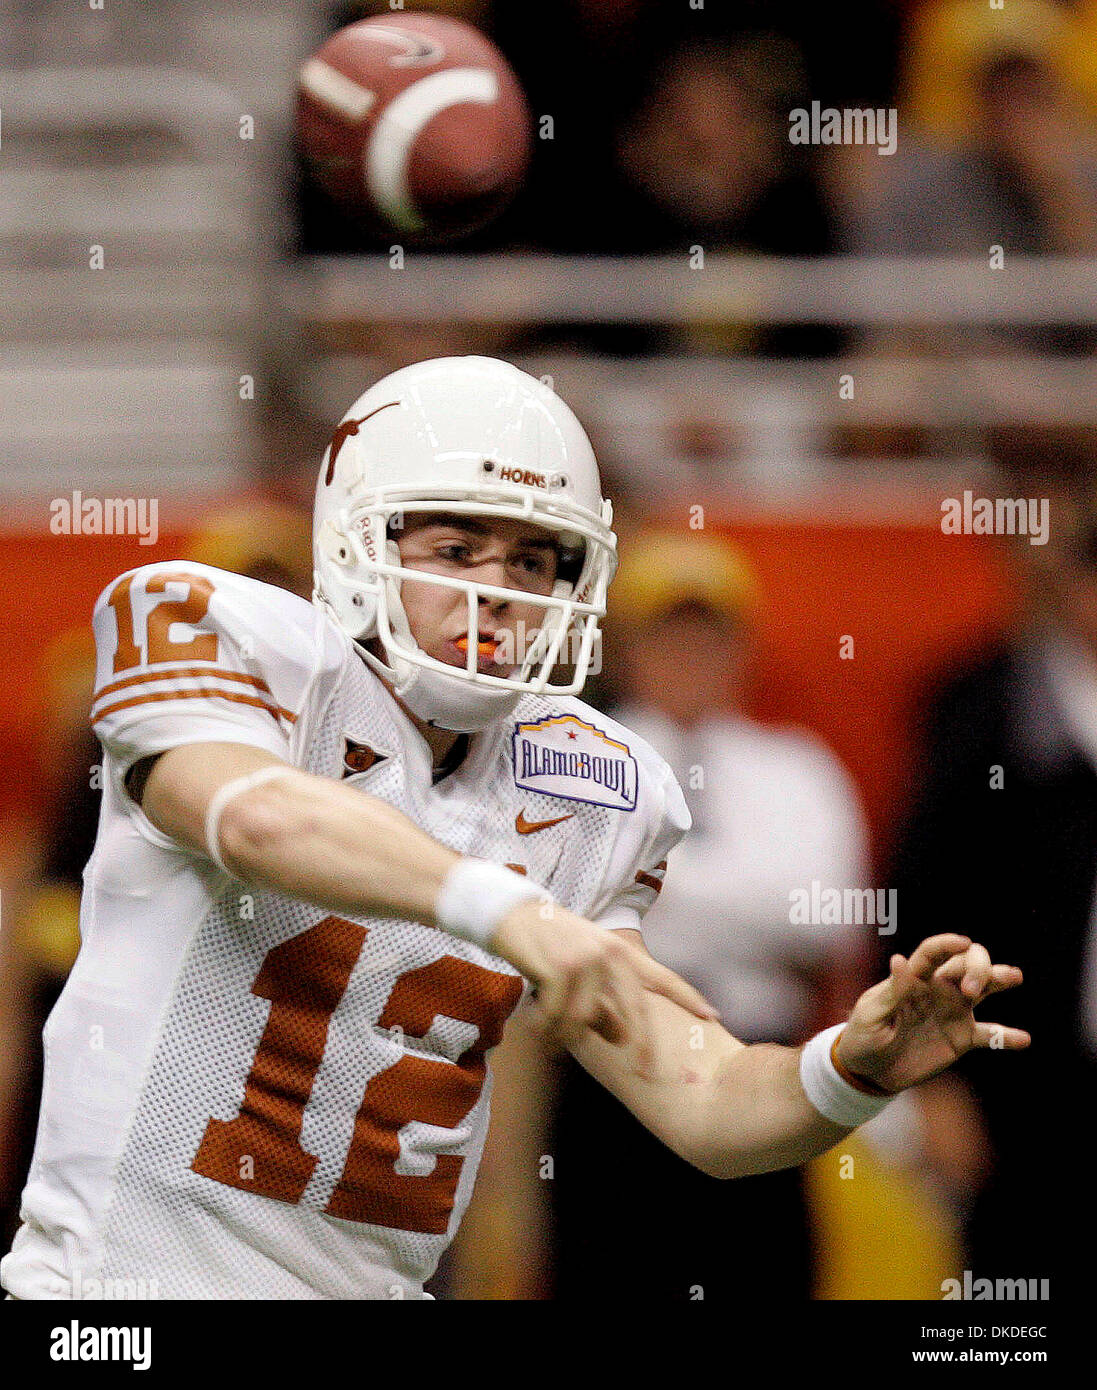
x: 589, y: 977
x: 919, y: 1020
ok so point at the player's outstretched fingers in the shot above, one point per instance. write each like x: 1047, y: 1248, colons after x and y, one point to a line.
x: 977, y: 976
x: 553, y: 1002
x: 662, y: 980
x: 626, y: 990
x: 997, y: 1035
x: 970, y: 971
x: 999, y: 977
x: 580, y: 1007
x: 953, y: 970
x: 1003, y: 977
x: 890, y: 993
x: 935, y: 951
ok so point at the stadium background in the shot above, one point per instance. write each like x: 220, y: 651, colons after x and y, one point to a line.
x: 237, y: 314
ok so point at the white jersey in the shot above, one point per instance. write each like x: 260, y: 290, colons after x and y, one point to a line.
x: 246, y: 1096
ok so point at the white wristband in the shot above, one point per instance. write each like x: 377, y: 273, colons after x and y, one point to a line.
x: 224, y: 795
x: 833, y: 1097
x: 475, y: 897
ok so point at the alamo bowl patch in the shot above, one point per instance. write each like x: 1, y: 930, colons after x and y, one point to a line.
x: 564, y: 756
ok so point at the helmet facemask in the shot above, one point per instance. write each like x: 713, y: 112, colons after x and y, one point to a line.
x: 372, y: 574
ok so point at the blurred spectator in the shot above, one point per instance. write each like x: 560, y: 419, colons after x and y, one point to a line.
x: 701, y: 159
x: 950, y: 44
x: 706, y: 90
x: 997, y: 147
x: 294, y: 430
x: 705, y: 154
x: 1001, y: 843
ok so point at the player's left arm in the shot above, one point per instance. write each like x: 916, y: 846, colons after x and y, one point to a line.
x: 732, y: 1109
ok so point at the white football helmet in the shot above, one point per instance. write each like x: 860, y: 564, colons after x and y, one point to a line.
x: 477, y: 437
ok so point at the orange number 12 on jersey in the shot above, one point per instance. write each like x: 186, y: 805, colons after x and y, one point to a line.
x: 304, y: 979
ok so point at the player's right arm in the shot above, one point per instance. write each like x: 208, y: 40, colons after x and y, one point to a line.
x: 314, y: 839
x: 202, y: 677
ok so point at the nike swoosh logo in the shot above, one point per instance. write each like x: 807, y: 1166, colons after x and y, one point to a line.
x: 531, y: 827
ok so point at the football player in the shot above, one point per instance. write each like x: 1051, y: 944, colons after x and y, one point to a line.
x: 339, y: 843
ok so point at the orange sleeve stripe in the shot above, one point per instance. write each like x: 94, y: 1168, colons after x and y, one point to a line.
x: 202, y: 693
x: 178, y: 673
x: 650, y: 881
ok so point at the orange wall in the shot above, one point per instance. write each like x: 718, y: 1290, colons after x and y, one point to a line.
x: 50, y: 584
x: 912, y: 599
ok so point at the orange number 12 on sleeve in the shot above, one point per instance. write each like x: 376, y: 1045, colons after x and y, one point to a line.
x: 192, y: 609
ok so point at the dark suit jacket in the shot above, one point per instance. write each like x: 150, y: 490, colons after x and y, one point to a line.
x: 1015, y: 868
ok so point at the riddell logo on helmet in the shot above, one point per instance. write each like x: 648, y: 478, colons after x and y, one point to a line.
x: 523, y: 475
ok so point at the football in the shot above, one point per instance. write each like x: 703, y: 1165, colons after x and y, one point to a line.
x: 416, y: 123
